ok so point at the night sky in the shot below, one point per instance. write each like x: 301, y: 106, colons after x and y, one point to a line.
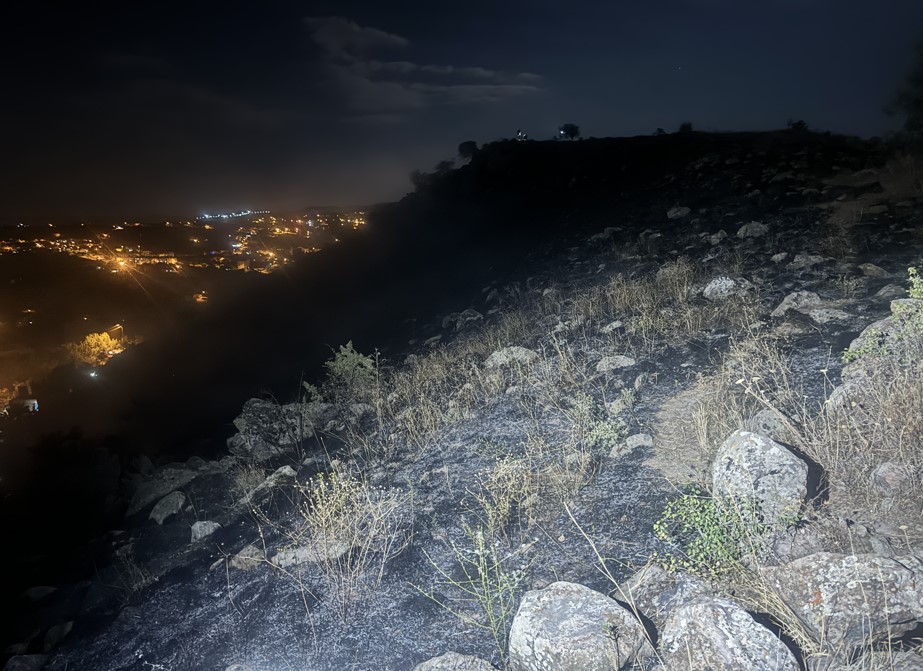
x: 159, y: 109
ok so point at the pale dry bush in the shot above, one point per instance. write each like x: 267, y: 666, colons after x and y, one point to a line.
x: 884, y: 423
x: 245, y: 478
x: 350, y: 530
x: 754, y: 374
x: 442, y: 386
x: 505, y: 497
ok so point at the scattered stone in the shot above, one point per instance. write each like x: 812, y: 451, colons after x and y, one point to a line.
x: 248, y: 558
x: 610, y: 363
x: 749, y: 466
x: 606, y: 234
x: 724, y: 288
x: 313, y: 553
x: 203, y: 529
x: 166, y: 481
x: 509, y: 355
x: 805, y: 261
x: 890, y: 478
x: 851, y: 600
x: 678, y: 212
x: 754, y: 229
x: 569, y: 627
x: 631, y: 443
x: 55, y: 635
x: 461, y: 319
x: 712, y: 634
x: 794, y: 301
x: 452, y: 661
x: 871, y: 270
x: 826, y: 315
x: 168, y: 506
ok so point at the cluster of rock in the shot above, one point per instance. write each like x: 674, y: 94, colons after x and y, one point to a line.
x: 849, y: 607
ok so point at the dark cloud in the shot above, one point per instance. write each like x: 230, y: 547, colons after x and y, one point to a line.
x: 380, y: 91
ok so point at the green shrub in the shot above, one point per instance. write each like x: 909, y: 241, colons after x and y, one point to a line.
x: 352, y: 377
x: 713, y: 534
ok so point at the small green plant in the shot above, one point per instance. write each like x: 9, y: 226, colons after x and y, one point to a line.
x: 916, y: 283
x: 485, y: 587
x: 713, y: 534
x: 871, y: 347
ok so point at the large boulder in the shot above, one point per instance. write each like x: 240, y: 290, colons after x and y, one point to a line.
x: 655, y: 593
x: 452, y: 661
x: 268, y: 429
x: 165, y: 481
x: 712, y: 634
x: 795, y: 301
x: 751, y: 467
x: 569, y: 627
x: 168, y: 506
x: 850, y: 600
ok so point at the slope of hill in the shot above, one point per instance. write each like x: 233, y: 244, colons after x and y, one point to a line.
x: 663, y: 396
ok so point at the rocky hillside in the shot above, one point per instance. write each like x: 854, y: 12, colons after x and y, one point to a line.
x: 682, y: 431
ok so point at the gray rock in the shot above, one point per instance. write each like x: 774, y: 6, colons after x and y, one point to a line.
x: 850, y: 600
x: 768, y: 423
x: 459, y: 320
x: 871, y: 270
x: 452, y: 661
x: 204, y: 529
x: 166, y: 481
x: 724, y: 288
x: 794, y: 301
x: 805, y: 261
x: 891, y: 291
x: 826, y: 315
x: 55, y: 635
x: 754, y: 229
x: 268, y: 429
x: 509, y: 355
x: 610, y: 363
x: 248, y: 558
x: 654, y: 592
x: 711, y: 634
x: 168, y: 506
x: 891, y: 478
x: 569, y: 627
x: 749, y: 466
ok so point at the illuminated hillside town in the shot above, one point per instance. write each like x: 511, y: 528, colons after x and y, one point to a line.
x: 82, y: 294
x: 245, y: 241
